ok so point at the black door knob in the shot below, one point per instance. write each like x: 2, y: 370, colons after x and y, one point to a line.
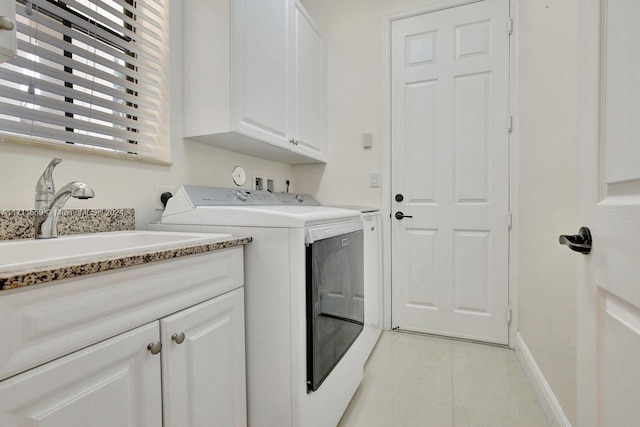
x: 399, y: 198
x: 580, y: 242
x: 400, y: 215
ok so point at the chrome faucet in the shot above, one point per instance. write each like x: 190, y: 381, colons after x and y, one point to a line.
x: 49, y: 203
x: 45, y: 189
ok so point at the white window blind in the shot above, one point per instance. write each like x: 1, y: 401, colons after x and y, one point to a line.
x: 90, y: 73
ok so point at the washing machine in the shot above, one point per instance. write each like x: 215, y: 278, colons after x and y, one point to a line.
x: 304, y: 297
x: 373, y: 276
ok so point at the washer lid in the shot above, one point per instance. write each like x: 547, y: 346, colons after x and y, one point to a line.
x: 363, y: 209
x: 181, y: 210
x: 261, y: 216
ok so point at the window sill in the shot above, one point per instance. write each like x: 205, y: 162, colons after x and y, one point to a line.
x: 82, y: 150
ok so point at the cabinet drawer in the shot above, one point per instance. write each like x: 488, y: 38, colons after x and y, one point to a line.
x: 47, y: 322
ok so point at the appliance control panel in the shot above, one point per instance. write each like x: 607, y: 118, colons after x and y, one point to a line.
x: 218, y: 196
x: 297, y: 199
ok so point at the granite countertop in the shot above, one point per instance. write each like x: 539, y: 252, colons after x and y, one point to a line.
x: 89, y: 265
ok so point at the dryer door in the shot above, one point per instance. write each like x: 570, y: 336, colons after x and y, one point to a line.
x: 335, y: 301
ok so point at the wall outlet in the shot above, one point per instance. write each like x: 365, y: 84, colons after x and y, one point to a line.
x: 157, y: 192
x: 264, y: 183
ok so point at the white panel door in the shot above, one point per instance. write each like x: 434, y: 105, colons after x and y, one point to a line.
x: 309, y: 80
x: 113, y: 383
x: 450, y: 164
x: 203, y: 371
x: 261, y: 75
x: 609, y: 278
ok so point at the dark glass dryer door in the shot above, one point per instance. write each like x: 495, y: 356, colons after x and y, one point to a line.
x: 335, y: 302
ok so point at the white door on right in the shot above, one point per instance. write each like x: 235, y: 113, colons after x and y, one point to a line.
x: 450, y: 171
x: 608, y: 351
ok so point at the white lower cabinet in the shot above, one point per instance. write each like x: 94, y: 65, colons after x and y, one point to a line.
x: 203, y: 364
x: 113, y: 383
x: 185, y: 369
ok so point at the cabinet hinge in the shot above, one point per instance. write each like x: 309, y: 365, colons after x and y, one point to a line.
x: 509, y: 220
x: 510, y: 26
x: 509, y: 315
x: 510, y: 123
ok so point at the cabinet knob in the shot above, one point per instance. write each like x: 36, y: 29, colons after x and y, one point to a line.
x: 242, y: 195
x: 6, y: 23
x: 178, y: 338
x: 155, y: 348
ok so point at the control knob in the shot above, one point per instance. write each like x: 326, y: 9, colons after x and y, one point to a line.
x: 300, y: 198
x: 242, y: 195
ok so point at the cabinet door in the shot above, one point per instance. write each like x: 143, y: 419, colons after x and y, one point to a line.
x: 203, y: 372
x: 309, y: 89
x: 260, y: 73
x: 113, y: 383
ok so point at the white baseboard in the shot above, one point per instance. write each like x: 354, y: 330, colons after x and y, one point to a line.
x: 550, y: 405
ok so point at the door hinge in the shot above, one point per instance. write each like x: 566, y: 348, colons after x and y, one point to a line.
x: 509, y: 315
x: 510, y: 26
x: 509, y: 220
x: 510, y: 123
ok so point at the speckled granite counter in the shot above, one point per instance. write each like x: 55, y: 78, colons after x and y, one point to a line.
x: 21, y: 278
x: 18, y: 223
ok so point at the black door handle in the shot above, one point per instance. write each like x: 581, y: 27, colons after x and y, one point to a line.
x: 580, y: 242
x: 400, y: 215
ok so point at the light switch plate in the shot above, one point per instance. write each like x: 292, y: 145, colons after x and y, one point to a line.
x: 374, y: 179
x: 367, y: 140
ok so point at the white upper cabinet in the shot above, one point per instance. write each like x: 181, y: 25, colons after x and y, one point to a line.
x: 308, y: 78
x: 254, y: 78
x: 260, y: 70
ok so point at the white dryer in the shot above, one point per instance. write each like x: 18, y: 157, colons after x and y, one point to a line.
x: 304, y: 297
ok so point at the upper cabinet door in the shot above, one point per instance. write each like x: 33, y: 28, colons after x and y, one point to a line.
x: 260, y: 72
x: 254, y: 78
x: 308, y: 94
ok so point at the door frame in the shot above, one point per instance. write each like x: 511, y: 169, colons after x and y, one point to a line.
x: 513, y: 157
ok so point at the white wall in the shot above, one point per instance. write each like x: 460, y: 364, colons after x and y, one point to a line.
x: 355, y: 78
x: 130, y: 184
x: 548, y: 191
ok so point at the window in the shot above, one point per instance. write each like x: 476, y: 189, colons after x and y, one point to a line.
x: 90, y: 74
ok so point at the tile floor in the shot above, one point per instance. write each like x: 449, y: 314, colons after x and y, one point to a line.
x: 413, y: 380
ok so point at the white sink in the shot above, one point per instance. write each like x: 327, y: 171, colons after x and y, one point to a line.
x: 27, y: 254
